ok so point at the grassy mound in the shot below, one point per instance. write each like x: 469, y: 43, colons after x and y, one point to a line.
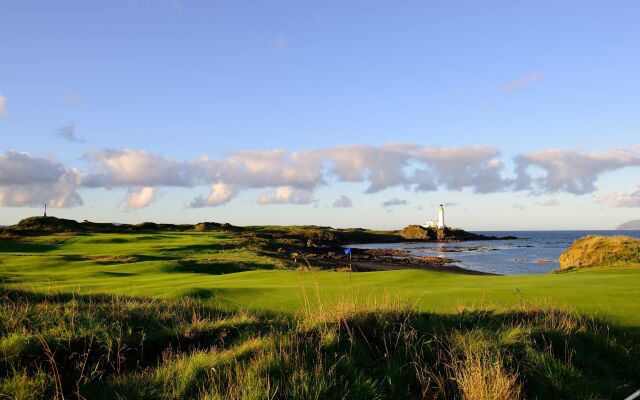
x: 109, y: 347
x: 415, y: 232
x: 47, y: 224
x: 601, y: 251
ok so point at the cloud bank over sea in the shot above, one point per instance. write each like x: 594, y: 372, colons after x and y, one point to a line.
x: 292, y: 177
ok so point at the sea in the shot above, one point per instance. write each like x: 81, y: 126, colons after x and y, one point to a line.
x: 534, y: 252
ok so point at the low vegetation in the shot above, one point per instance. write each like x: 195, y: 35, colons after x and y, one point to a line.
x: 112, y: 347
x: 602, y: 251
x: 214, y: 311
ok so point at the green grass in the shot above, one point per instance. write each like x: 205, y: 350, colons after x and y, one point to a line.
x: 175, y: 265
x: 221, y: 315
x: 114, y: 347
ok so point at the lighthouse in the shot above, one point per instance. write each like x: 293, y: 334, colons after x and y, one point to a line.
x: 441, y: 217
x: 437, y: 223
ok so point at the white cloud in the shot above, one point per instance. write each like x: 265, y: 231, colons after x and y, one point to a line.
x: 221, y: 193
x: 523, y: 80
x: 293, y: 177
x: 4, y: 113
x: 573, y: 171
x: 68, y: 133
x: 141, y: 197
x: 286, y: 195
x: 621, y: 199
x: 475, y: 167
x: 271, y: 168
x: 126, y: 167
x: 417, y: 167
x: 394, y: 202
x: 343, y: 202
x: 26, y: 180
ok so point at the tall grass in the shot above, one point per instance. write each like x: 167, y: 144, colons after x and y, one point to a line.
x: 108, y: 347
x: 602, y: 251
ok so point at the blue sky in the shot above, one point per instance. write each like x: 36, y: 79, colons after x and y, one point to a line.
x: 178, y: 80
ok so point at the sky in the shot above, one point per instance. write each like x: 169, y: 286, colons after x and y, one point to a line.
x: 514, y: 115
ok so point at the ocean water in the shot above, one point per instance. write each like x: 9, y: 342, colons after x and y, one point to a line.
x: 534, y: 252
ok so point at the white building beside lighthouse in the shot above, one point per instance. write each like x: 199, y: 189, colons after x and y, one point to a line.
x: 437, y: 223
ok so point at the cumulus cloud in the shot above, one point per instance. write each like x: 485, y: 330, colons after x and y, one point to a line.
x: 394, y: 201
x: 221, y: 193
x: 621, y: 199
x: 4, y: 113
x: 522, y: 81
x: 26, y: 180
x: 293, y: 177
x: 382, y: 167
x: 68, y: 133
x: 271, y: 168
x: 286, y: 195
x: 126, y: 167
x: 474, y: 167
x: 417, y: 167
x: 343, y: 202
x: 573, y: 171
x: 141, y: 197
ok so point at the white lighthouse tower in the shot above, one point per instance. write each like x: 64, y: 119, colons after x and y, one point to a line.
x: 441, y: 217
x: 437, y: 223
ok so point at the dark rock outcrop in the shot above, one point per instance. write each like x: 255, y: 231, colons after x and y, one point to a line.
x: 421, y: 233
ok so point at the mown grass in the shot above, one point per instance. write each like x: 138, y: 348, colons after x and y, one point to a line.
x: 110, y: 347
x: 231, y: 272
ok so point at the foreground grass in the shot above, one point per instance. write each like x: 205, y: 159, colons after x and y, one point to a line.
x: 211, y: 315
x: 101, y: 346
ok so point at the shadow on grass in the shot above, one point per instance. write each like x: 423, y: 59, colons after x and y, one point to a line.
x: 202, y: 248
x: 115, y: 260
x: 11, y: 245
x: 114, y: 274
x: 213, y: 267
x: 199, y: 293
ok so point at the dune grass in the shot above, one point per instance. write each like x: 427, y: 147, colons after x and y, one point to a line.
x: 114, y: 347
x: 602, y: 251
